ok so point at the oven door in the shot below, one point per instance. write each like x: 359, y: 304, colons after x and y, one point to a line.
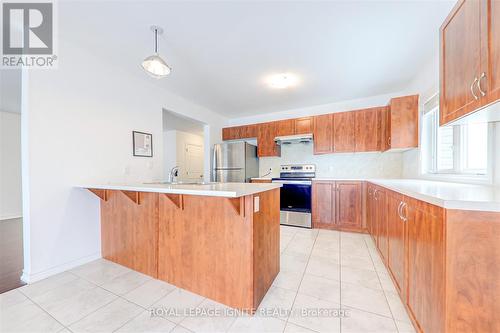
x: 296, y: 197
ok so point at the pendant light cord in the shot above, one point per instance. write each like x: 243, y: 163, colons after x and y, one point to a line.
x: 156, y: 40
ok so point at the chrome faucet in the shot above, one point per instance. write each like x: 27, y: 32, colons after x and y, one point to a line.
x: 174, y: 172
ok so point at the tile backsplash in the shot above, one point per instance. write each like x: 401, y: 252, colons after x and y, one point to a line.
x: 348, y: 165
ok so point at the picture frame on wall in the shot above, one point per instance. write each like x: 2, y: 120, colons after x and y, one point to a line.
x: 142, y: 144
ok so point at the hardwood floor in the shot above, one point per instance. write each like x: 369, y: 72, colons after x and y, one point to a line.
x: 11, y: 254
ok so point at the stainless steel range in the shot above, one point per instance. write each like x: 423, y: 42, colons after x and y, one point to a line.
x: 295, y: 195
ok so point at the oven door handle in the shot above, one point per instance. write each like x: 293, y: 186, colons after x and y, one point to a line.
x: 300, y: 182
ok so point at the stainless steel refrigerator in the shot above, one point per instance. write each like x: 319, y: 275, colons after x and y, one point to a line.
x: 235, y: 162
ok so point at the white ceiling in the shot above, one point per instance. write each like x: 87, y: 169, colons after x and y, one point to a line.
x: 220, y: 51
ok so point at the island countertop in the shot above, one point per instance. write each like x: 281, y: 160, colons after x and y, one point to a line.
x: 228, y: 190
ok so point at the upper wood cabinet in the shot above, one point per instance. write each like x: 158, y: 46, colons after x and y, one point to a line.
x: 400, y: 123
x: 343, y: 132
x: 337, y: 205
x: 470, y: 52
x: 285, y: 127
x: 239, y: 132
x: 303, y: 125
x: 367, y: 129
x: 265, y: 140
x: 323, y: 134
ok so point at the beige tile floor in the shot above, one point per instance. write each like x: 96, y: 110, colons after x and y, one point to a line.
x: 320, y: 270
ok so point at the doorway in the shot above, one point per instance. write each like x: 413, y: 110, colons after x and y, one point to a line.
x: 11, y: 219
x: 183, y: 147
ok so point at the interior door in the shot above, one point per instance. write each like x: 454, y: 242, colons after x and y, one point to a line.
x: 193, y: 166
x: 460, y: 60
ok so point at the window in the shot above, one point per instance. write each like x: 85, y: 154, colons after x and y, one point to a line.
x: 454, y: 150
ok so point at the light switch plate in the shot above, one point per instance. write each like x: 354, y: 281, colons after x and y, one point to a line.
x: 256, y: 203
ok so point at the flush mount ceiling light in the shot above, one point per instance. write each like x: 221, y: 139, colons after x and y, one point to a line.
x: 282, y: 80
x: 154, y: 65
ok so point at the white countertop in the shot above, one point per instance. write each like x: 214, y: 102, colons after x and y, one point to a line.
x: 261, y: 178
x: 229, y: 190
x: 446, y: 195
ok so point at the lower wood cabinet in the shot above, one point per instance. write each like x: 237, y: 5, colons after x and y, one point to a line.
x: 396, y: 238
x: 444, y: 263
x: 426, y: 279
x: 337, y: 205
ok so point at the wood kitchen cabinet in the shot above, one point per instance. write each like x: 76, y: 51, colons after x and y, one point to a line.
x: 323, y: 204
x: 367, y: 130
x: 400, y: 123
x: 470, y: 53
x: 337, y: 205
x: 426, y: 279
x: 348, y: 204
x: 239, y: 132
x: 303, y: 125
x: 343, y: 132
x: 265, y: 140
x: 380, y: 221
x: 370, y: 210
x: 396, y: 238
x: 323, y: 134
x: 285, y: 127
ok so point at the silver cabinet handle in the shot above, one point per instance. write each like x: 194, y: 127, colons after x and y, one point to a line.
x: 483, y: 75
x: 405, y: 217
x: 375, y: 194
x: 472, y: 88
x: 399, y: 210
x: 389, y: 141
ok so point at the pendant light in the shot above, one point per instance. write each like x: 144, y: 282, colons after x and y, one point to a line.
x: 154, y: 65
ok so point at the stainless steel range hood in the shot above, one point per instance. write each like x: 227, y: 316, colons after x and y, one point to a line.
x: 289, y: 139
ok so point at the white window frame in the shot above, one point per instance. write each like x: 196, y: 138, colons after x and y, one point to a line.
x: 428, y: 164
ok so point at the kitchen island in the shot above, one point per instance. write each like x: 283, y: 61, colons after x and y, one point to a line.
x: 220, y: 241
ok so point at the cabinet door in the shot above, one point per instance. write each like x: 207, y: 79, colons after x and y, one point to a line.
x: 460, y: 61
x: 370, y: 223
x: 396, y: 234
x: 285, y: 127
x: 248, y: 131
x: 323, y: 134
x: 323, y: 204
x: 381, y: 222
x: 348, y: 207
x: 231, y: 133
x: 403, y: 124
x: 303, y: 125
x: 367, y: 130
x: 265, y: 140
x: 426, y: 248
x: 385, y: 128
x: 343, y: 132
x: 491, y: 43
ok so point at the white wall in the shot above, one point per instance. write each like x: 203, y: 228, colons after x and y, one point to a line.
x: 78, y: 123
x: 10, y: 165
x: 169, y: 152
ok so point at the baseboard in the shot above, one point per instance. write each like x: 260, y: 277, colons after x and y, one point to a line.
x: 31, y: 278
x: 10, y: 217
